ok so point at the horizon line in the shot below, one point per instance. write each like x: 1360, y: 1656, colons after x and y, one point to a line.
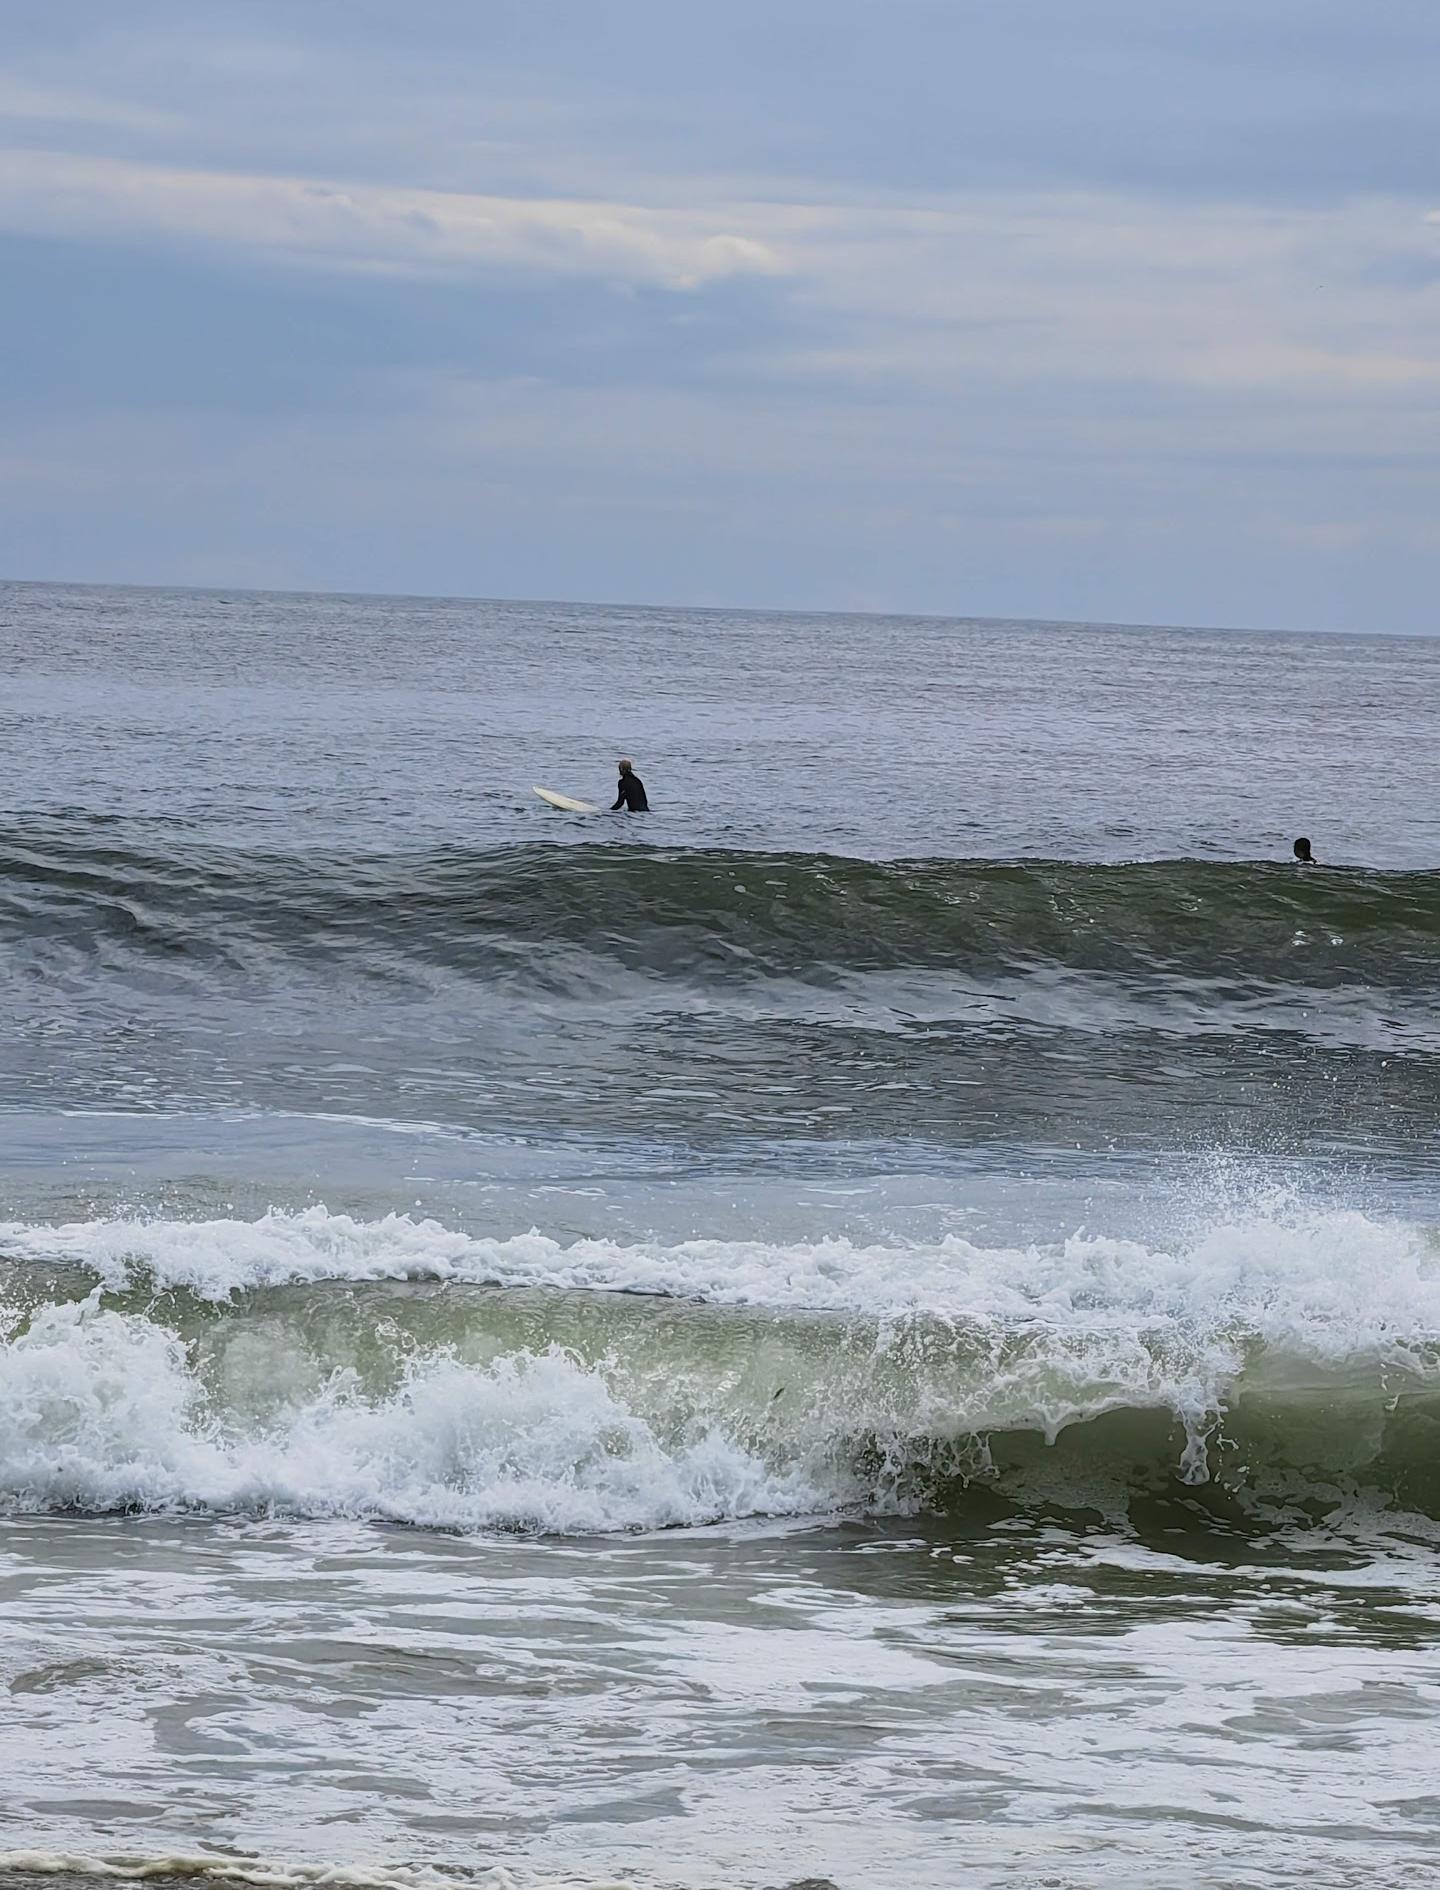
x: 726, y: 610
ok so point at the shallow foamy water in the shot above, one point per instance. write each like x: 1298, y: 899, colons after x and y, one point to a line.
x: 986, y: 1705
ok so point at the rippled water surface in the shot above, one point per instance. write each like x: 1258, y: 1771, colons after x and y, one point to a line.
x: 881, y: 1323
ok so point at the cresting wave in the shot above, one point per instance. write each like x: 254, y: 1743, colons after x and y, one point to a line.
x: 317, y: 1366
x: 553, y: 916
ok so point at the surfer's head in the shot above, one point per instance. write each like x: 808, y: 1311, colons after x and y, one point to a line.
x: 628, y: 767
x: 1302, y: 851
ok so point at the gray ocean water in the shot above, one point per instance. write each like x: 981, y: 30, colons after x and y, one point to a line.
x: 881, y: 1322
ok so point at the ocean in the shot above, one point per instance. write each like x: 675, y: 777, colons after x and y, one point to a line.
x: 880, y: 1324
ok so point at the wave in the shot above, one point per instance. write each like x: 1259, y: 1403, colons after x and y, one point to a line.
x: 572, y: 919
x: 318, y: 1366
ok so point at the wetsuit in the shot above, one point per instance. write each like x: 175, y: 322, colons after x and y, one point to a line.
x: 631, y: 796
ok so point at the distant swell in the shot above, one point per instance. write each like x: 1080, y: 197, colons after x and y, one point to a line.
x: 564, y: 919
x: 319, y: 1366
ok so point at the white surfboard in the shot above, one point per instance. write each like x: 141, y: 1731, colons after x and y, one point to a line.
x: 564, y: 801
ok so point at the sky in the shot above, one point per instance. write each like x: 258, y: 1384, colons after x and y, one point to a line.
x: 1126, y: 311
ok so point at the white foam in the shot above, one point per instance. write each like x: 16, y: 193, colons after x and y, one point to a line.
x: 101, y: 1410
x: 1323, y: 1284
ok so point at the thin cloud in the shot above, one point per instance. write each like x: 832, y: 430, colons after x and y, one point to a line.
x: 367, y: 226
x: 1108, y: 291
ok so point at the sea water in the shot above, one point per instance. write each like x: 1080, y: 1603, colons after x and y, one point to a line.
x: 880, y: 1323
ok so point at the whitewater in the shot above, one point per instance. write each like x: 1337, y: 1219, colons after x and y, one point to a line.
x: 863, y: 1378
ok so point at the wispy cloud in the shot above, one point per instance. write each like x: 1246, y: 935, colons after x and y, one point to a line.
x: 940, y: 294
x: 368, y: 226
x: 1105, y: 291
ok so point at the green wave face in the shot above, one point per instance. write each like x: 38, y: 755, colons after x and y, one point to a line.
x: 727, y: 916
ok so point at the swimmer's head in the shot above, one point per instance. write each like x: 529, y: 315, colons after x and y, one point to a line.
x: 1302, y: 851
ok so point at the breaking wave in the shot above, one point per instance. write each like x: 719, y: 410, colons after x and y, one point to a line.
x: 314, y: 1365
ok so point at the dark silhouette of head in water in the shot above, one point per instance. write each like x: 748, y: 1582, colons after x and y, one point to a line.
x: 1303, y: 853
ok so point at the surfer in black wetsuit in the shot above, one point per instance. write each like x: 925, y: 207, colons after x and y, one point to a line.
x: 632, y: 792
x: 1303, y: 853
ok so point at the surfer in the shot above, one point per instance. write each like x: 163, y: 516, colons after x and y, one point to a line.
x: 1303, y: 853
x: 632, y: 792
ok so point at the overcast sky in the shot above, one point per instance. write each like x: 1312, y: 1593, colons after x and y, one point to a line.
x: 1124, y: 310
